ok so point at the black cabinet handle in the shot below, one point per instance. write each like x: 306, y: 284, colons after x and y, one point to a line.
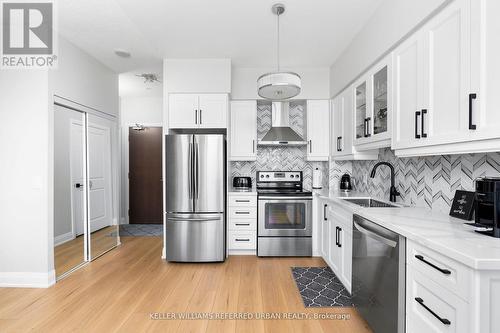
x: 337, y: 236
x: 196, y: 117
x: 200, y: 118
x: 242, y: 224
x: 443, y: 320
x: 424, y: 112
x: 417, y: 114
x: 242, y: 200
x: 368, y: 120
x: 310, y: 146
x: 365, y: 128
x: 242, y: 212
x: 78, y: 185
x: 442, y: 270
x: 340, y: 143
x: 339, y: 244
x: 242, y: 239
x: 324, y: 212
x: 471, y: 97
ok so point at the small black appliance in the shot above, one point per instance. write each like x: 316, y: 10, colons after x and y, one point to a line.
x: 487, y: 205
x: 242, y: 183
x: 345, y: 182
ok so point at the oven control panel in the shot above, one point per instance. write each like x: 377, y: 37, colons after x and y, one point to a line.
x: 279, y: 176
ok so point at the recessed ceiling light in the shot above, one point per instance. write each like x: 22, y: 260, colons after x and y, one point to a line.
x: 122, y: 53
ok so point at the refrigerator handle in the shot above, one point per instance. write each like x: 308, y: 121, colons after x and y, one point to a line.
x: 190, y: 163
x: 196, y: 170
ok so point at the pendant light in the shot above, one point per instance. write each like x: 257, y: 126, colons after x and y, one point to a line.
x: 278, y: 85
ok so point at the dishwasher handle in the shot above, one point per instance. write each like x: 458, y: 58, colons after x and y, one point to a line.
x: 388, y: 242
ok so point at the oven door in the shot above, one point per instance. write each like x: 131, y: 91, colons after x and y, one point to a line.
x: 284, y: 216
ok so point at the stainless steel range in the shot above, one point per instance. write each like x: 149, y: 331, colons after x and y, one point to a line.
x: 284, y: 215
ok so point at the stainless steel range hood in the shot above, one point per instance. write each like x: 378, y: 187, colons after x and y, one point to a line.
x: 280, y: 133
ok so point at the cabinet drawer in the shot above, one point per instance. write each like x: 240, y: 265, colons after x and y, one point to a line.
x: 243, y: 200
x: 243, y: 224
x: 242, y: 212
x: 447, y: 272
x: 431, y: 308
x: 239, y: 240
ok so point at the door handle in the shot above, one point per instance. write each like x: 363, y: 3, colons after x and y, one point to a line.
x: 442, y: 320
x: 471, y: 97
x: 442, y: 270
x: 191, y: 170
x: 193, y: 220
x: 417, y: 114
x: 424, y: 112
x: 196, y: 171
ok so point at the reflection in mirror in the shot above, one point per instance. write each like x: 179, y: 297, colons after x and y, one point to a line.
x: 102, y: 213
x: 69, y: 195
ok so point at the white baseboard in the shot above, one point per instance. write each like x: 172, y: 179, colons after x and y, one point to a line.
x: 27, y: 279
x: 61, y: 239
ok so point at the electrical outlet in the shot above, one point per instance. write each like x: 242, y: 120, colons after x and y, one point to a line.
x: 365, y: 178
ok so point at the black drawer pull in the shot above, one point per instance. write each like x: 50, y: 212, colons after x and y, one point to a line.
x: 443, y: 320
x: 417, y: 114
x: 242, y: 200
x: 242, y: 212
x: 471, y: 97
x: 424, y: 112
x: 242, y: 224
x: 442, y: 270
x: 242, y: 239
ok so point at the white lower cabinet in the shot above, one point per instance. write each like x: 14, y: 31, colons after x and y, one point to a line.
x: 433, y: 308
x: 335, y: 225
x: 242, y: 223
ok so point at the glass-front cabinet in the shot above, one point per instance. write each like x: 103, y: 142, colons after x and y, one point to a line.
x: 373, y: 107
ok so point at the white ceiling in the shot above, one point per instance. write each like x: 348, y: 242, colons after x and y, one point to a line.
x: 313, y: 33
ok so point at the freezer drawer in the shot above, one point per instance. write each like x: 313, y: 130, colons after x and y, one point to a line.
x: 195, y: 237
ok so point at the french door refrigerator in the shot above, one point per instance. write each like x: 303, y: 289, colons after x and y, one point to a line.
x: 195, y: 197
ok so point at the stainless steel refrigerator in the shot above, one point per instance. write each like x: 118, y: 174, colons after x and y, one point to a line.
x: 195, y: 197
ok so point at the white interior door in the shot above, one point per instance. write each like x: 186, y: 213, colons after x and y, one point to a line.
x: 100, y: 192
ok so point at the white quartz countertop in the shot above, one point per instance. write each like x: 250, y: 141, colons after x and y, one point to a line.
x: 438, y: 231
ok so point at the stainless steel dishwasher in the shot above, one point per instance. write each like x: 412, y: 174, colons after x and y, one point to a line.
x: 379, y: 275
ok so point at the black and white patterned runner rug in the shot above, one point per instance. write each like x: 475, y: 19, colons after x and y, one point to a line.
x: 320, y: 287
x: 141, y: 230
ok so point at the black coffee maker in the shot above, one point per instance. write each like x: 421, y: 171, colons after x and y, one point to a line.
x: 487, y: 205
x: 346, y: 183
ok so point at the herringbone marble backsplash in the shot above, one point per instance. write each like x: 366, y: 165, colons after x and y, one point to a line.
x: 429, y: 181
x: 281, y: 158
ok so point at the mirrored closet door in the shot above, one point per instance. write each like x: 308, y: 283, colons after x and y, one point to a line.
x: 85, y: 195
x: 70, y: 243
x: 103, y: 227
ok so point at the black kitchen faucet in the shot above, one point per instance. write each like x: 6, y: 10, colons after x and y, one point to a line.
x: 393, y: 191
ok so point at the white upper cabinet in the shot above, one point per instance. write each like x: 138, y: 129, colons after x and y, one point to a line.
x: 342, y: 129
x: 183, y: 111
x: 445, y: 75
x: 243, y: 131
x: 373, y: 107
x: 485, y: 71
x: 197, y: 110
x: 318, y: 130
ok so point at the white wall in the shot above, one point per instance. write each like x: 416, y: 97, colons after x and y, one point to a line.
x: 197, y: 75
x: 26, y: 183
x: 141, y: 110
x: 392, y: 21
x: 82, y: 79
x: 315, y: 82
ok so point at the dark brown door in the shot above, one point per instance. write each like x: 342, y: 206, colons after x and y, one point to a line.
x: 145, y: 185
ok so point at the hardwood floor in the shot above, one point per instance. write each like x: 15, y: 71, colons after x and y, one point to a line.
x: 122, y: 290
x: 70, y: 254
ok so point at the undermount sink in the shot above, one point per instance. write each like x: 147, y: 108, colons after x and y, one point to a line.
x: 369, y: 202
